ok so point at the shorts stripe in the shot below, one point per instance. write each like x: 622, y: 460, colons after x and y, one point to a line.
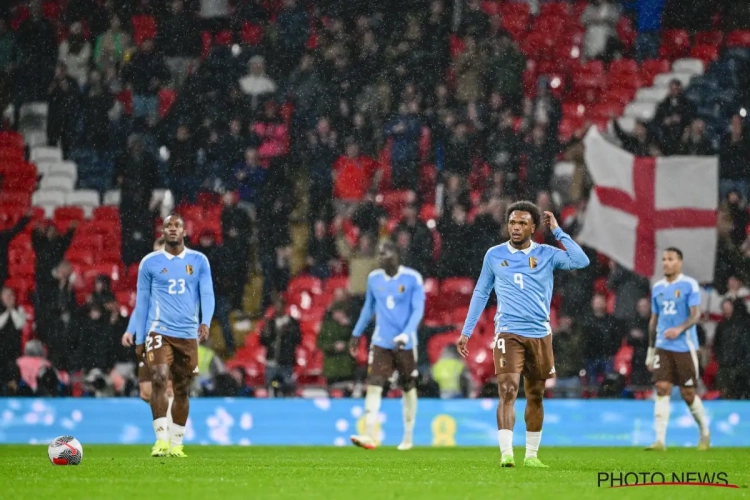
x: 694, y: 356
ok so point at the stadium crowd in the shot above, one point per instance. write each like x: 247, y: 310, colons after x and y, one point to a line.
x: 343, y: 118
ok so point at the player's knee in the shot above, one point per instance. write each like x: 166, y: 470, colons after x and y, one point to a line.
x: 663, y: 390
x: 181, y: 387
x: 408, y: 383
x: 170, y: 389
x: 159, y: 381
x: 507, y: 390
x: 688, y: 394
x: 535, y: 395
x: 376, y: 380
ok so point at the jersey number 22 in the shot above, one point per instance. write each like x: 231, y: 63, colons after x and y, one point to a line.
x: 668, y: 307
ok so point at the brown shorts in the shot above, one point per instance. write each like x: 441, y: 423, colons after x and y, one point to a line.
x: 678, y: 368
x: 531, y: 357
x: 382, y: 362
x: 181, y: 355
x: 144, y: 372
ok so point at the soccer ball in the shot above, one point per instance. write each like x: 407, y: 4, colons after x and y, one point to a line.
x: 65, y: 450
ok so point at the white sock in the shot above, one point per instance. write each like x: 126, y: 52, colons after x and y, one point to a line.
x: 532, y: 443
x: 661, y: 418
x: 505, y: 440
x: 160, y: 429
x: 176, y: 433
x: 699, y: 414
x: 169, y: 413
x: 372, y: 406
x: 409, y: 400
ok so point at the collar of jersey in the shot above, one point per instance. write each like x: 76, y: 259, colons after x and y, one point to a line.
x: 512, y: 249
x: 667, y: 283
x: 169, y: 256
x: 398, y: 273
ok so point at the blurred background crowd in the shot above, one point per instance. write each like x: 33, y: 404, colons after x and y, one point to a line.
x: 294, y: 135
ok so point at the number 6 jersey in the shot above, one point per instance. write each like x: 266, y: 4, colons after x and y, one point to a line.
x: 172, y: 291
x: 672, y: 301
x: 398, y: 303
x: 523, y: 281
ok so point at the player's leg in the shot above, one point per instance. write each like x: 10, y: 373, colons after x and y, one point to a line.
x: 379, y: 369
x: 663, y: 377
x: 159, y: 358
x: 406, y: 364
x: 183, y: 370
x: 508, y: 356
x: 687, y: 378
x: 539, y: 365
x: 144, y: 389
x: 170, y: 399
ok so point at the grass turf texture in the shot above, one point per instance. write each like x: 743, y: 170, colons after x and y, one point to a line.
x: 114, y: 472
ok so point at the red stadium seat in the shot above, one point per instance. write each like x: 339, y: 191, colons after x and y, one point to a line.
x: 167, y: 97
x: 305, y: 283
x: 620, y: 95
x: 437, y: 343
x: 623, y: 66
x: 223, y: 38
x: 559, y: 10
x: 80, y: 256
x: 206, y: 41
x: 491, y: 7
x: 11, y: 140
x: 714, y: 38
x: 605, y: 111
x: 66, y: 214
x: 674, y: 44
x: 515, y: 24
x: 19, y: 199
x: 739, y: 38
x: 651, y: 68
x: 455, y: 292
x: 21, y: 270
x: 706, y: 53
x: 23, y: 287
x: 144, y: 28
x: 510, y: 9
x: 394, y: 201
x: 252, y: 34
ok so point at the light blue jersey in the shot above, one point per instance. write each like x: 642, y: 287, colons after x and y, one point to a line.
x: 523, y: 281
x: 172, y: 290
x: 671, y: 302
x: 398, y: 303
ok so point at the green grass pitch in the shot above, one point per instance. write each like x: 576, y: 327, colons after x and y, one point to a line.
x: 217, y: 473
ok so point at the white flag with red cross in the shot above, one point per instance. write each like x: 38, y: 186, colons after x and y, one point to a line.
x: 639, y: 206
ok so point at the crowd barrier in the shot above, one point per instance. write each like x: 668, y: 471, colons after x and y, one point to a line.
x: 329, y: 422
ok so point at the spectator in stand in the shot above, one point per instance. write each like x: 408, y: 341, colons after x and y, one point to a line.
x: 361, y: 260
x: 541, y: 151
x: 12, y: 322
x: 63, y: 97
x: 320, y: 153
x: 736, y: 207
x: 6, y: 237
x: 436, y: 35
x: 49, y: 247
x: 474, y: 22
x: 638, y: 339
x: 456, y: 193
x: 672, y: 116
x: 458, y: 151
x: 111, y: 46
x: 451, y: 374
x: 321, y: 251
x: 469, y: 68
x: 600, y: 20
x: 96, y: 349
x: 237, y: 232
x: 354, y: 175
x: 250, y: 177
x: 734, y: 170
x: 503, y: 152
x: 10, y: 56
x: 272, y: 133
x: 487, y: 228
x: 75, y: 52
x: 179, y: 42
x: 369, y: 217
x: 731, y: 348
x: 694, y: 19
x: 694, y: 141
x: 37, y: 43
x: 420, y: 247
x: 305, y: 90
x: 280, y: 336
x: 405, y: 130
x: 102, y: 293
x: 569, y: 365
x: 456, y: 234
x: 56, y: 316
x: 221, y: 274
x: 144, y: 76
x: 648, y: 14
x: 729, y: 260
x: 33, y: 366
x: 505, y: 67
x: 274, y: 244
x: 335, y: 330
x: 544, y: 109
x: 629, y: 287
x: 736, y: 289
x: 184, y: 176
x: 292, y: 31
x: 136, y: 175
x: 257, y: 84
x: 601, y: 339
x: 96, y: 104
x: 640, y: 142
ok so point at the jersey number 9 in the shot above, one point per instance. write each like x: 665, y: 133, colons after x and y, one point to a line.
x: 518, y: 280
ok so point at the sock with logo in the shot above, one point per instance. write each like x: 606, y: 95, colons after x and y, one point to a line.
x: 505, y: 440
x: 176, y: 433
x: 372, y: 406
x: 161, y: 429
x: 661, y: 418
x: 699, y: 414
x: 533, y: 439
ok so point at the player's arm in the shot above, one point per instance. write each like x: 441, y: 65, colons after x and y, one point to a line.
x: 417, y: 311
x: 128, y: 338
x: 208, y: 301
x: 142, y: 301
x: 652, y: 322
x: 368, y: 310
x: 476, y: 306
x: 573, y: 257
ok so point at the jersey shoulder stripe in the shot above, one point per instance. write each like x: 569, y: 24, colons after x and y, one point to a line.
x: 375, y: 273
x: 149, y: 256
x: 690, y: 281
x: 414, y: 273
x: 189, y: 251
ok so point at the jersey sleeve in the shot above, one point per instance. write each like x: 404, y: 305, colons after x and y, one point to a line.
x: 479, y: 297
x: 142, y: 301
x: 132, y: 323
x: 417, y: 307
x: 654, y: 305
x: 368, y: 310
x: 694, y: 295
x: 573, y: 257
x: 206, y: 289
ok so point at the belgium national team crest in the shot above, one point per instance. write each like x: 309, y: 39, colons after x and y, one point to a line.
x: 401, y: 288
x: 189, y: 269
x: 532, y: 262
x: 502, y: 362
x: 676, y: 294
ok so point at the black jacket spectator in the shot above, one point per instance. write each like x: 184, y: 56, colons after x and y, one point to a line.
x: 456, y: 234
x: 280, y: 336
x: 49, y: 247
x: 64, y: 100
x: 734, y: 152
x: 369, y: 216
x: 146, y: 71
x: 421, y: 244
x: 12, y: 321
x: 179, y: 36
x: 5, y: 238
